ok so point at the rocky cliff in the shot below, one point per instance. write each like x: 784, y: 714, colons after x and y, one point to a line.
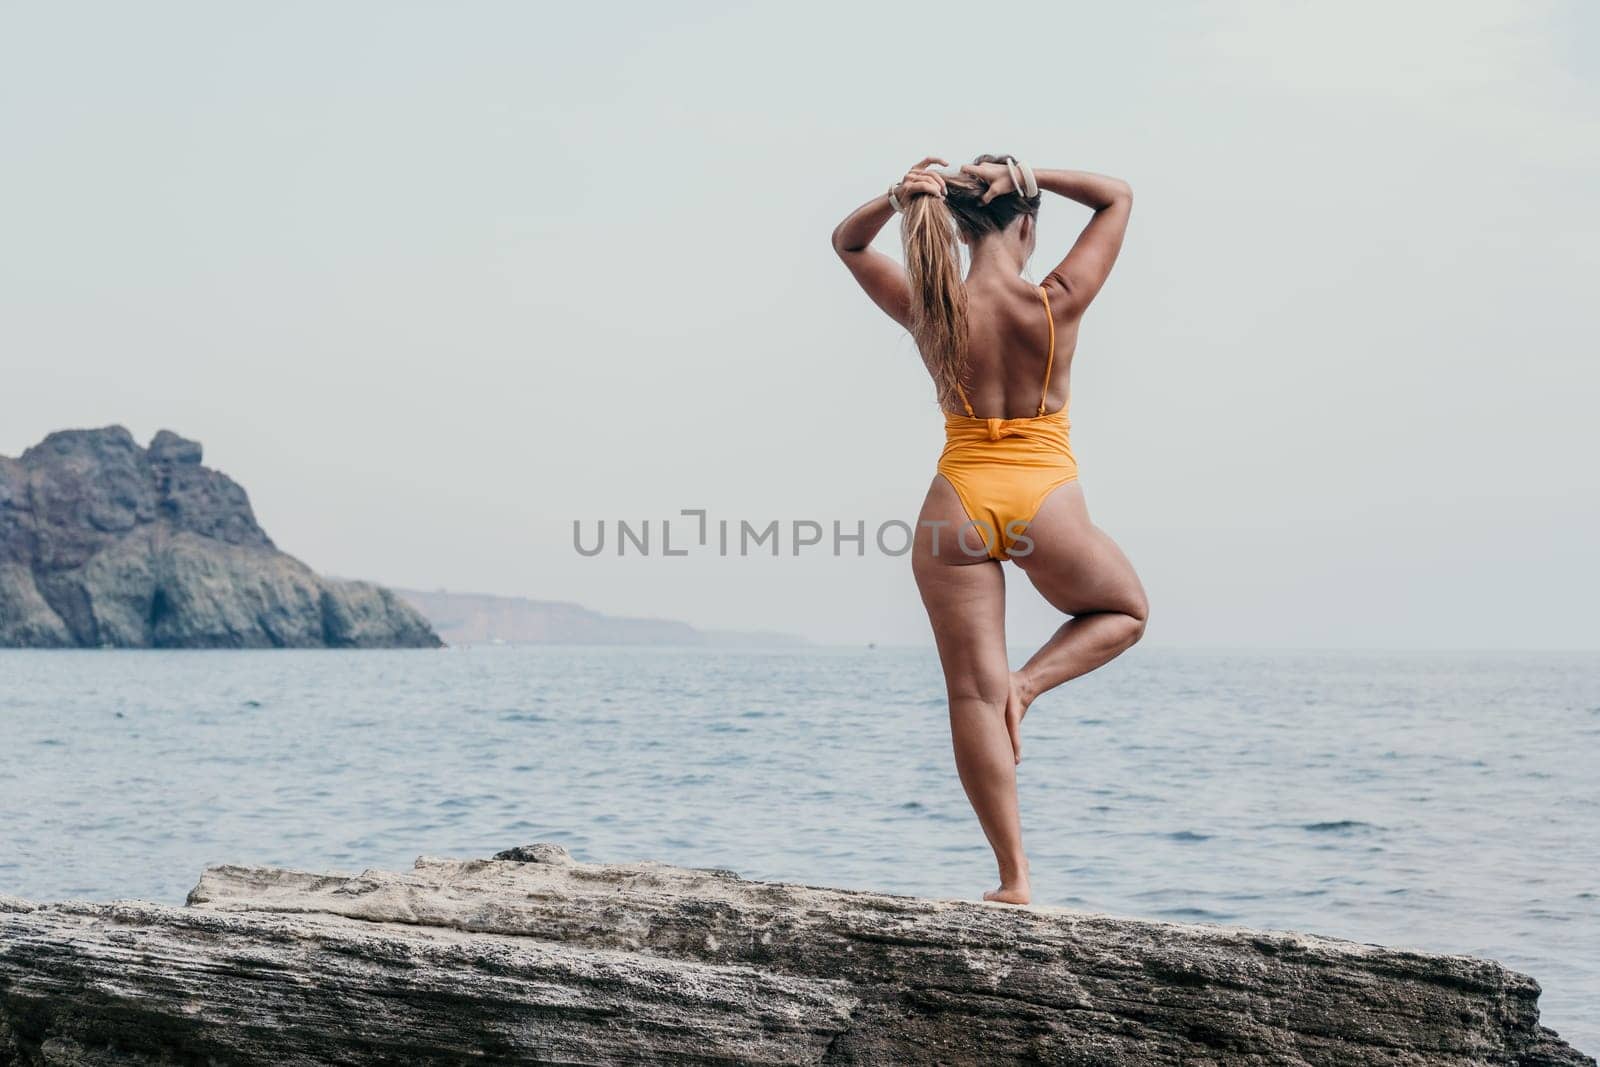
x: 533, y: 958
x: 106, y: 544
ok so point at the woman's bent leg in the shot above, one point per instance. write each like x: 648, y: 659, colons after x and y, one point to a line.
x: 965, y: 598
x: 1082, y: 573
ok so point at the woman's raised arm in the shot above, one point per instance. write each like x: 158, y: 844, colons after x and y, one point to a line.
x: 1086, y: 267
x: 881, y: 276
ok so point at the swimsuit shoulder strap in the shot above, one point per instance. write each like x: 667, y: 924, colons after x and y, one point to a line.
x: 1049, y: 363
x: 1050, y: 360
x: 964, y: 401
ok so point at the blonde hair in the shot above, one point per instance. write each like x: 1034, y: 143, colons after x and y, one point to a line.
x: 938, y: 296
x: 930, y: 233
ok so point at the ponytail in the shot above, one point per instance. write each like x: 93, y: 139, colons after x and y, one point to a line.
x: 938, y: 297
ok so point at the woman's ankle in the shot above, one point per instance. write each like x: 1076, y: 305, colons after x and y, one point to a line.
x: 1027, y: 686
x: 1014, y: 874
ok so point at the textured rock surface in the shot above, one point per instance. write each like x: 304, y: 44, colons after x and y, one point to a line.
x: 106, y: 544
x: 532, y: 958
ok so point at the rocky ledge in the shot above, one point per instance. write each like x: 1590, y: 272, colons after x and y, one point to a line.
x: 106, y: 544
x: 533, y: 958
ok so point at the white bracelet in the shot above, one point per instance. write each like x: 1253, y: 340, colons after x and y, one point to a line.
x: 1030, y: 186
x: 1022, y: 177
x: 894, y: 201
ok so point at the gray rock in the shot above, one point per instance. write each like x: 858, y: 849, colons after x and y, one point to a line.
x: 26, y: 618
x: 363, y: 615
x: 106, y: 544
x: 535, y: 958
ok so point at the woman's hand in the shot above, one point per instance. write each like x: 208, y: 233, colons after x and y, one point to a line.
x: 920, y: 181
x: 997, y: 175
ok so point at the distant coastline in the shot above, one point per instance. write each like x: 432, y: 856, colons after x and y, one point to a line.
x: 483, y: 618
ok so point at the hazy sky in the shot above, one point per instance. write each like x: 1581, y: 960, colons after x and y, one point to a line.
x: 434, y: 280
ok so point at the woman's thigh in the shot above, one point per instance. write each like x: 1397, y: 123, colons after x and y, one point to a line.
x: 1074, y: 564
x: 965, y: 597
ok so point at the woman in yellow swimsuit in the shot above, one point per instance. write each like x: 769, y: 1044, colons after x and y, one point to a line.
x: 1000, y: 352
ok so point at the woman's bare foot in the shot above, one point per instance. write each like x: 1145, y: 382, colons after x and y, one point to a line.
x: 1017, y: 703
x: 1012, y: 890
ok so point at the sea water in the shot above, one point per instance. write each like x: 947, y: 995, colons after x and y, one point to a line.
x: 1444, y: 802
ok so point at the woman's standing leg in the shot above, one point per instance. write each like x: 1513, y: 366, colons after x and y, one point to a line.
x: 965, y: 598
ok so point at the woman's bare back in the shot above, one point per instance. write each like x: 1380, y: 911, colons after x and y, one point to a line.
x: 1008, y: 342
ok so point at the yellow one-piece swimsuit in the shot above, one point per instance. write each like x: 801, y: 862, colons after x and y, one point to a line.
x: 1002, y: 469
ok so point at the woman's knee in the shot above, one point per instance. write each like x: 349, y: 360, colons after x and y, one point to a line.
x: 1138, y: 616
x: 981, y: 688
x: 1124, y: 621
